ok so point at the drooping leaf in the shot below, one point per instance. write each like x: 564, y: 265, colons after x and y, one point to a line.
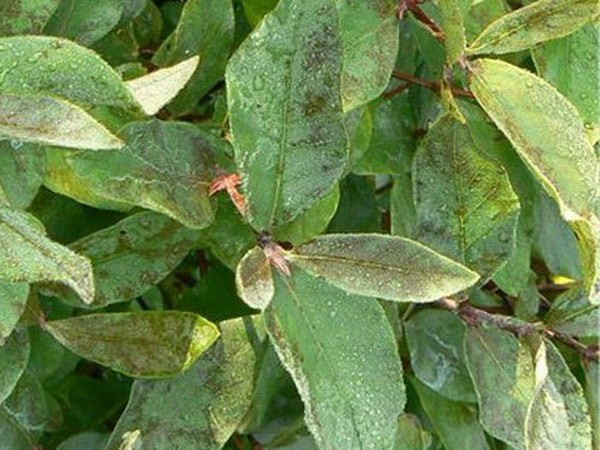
x: 145, y: 344
x: 466, y: 208
x: 43, y: 119
x: 13, y: 298
x: 388, y: 267
x: 156, y: 89
x: 27, y: 255
x: 544, y: 128
x: 455, y: 423
x: 539, y: 22
x: 454, y: 29
x: 133, y: 255
x: 503, y: 374
x: 85, y: 21
x: 205, y: 28
x: 25, y: 16
x: 254, y: 280
x: 369, y: 32
x: 570, y: 64
x: 286, y: 116
x: 21, y: 172
x: 435, y: 341
x: 164, y: 166
x: 14, y: 356
x: 202, y: 407
x: 55, y: 66
x: 346, y: 382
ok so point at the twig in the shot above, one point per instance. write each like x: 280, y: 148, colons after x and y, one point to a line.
x: 421, y: 16
x: 395, y: 91
x: 591, y: 353
x: 434, y: 86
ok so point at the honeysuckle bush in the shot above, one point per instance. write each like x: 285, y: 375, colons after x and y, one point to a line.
x: 299, y: 224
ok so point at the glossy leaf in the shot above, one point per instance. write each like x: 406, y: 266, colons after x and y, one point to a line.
x: 144, y: 344
x: 387, y: 267
x: 466, y: 208
x: 345, y: 381
x: 286, y: 121
x: 27, y: 255
x: 133, y: 255
x: 48, y: 120
x: 202, y: 407
x: 435, y: 341
x: 539, y: 22
x: 21, y: 172
x: 503, y: 374
x: 254, y: 280
x: 14, y: 356
x: 25, y: 16
x: 205, y: 28
x: 13, y: 298
x: 369, y: 33
x: 85, y: 21
x: 55, y: 66
x: 156, y: 89
x: 544, y: 128
x: 164, y: 166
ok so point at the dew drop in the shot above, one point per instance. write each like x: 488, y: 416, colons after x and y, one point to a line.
x: 16, y: 144
x: 529, y: 83
x: 258, y: 83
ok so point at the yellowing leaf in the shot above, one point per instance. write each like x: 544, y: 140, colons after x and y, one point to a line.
x: 254, y: 280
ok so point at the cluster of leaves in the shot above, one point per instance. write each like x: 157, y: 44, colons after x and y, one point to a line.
x: 299, y: 224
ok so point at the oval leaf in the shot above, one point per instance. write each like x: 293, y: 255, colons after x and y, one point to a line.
x: 544, y: 128
x: 286, y: 116
x: 14, y: 356
x: 388, y: 267
x: 46, y: 120
x: 466, y: 208
x: 155, y: 90
x: 254, y: 280
x: 144, y: 344
x: 27, y: 255
x: 351, y: 387
x: 541, y: 21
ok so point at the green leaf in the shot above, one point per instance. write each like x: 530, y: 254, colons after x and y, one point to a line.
x: 13, y: 436
x: 144, y: 344
x: 48, y: 120
x: 13, y: 298
x: 202, y: 407
x: 84, y: 441
x: 85, y: 21
x: 351, y: 386
x: 454, y: 30
x: 592, y: 392
x: 369, y: 33
x: 205, y: 28
x: 133, y: 255
x: 387, y: 267
x: 435, y: 341
x: 410, y: 435
x: 539, y: 22
x: 21, y: 172
x: 156, y: 89
x: 570, y: 65
x: 27, y: 255
x: 544, y: 128
x: 254, y: 280
x: 573, y: 314
x: 285, y: 111
x: 14, y: 355
x: 256, y: 9
x: 164, y: 166
x: 466, y: 208
x: 25, y: 16
x: 481, y: 14
x: 504, y: 378
x: 357, y: 211
x: 55, y: 66
x: 456, y: 423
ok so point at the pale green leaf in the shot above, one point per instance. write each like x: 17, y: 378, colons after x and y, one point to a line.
x: 254, y: 280
x: 25, y: 16
x: 544, y: 128
x: 351, y: 387
x: 539, y: 22
x: 202, y: 407
x: 466, y: 208
x: 369, y: 33
x: 27, y: 255
x: 13, y: 298
x: 144, y: 344
x: 156, y: 89
x: 43, y: 119
x: 286, y: 118
x: 14, y: 356
x: 388, y: 267
x: 205, y: 28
